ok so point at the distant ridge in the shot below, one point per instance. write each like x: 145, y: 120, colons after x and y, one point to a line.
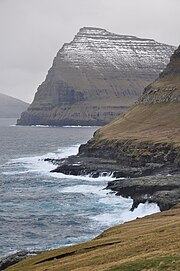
x: 11, y: 107
x: 96, y: 77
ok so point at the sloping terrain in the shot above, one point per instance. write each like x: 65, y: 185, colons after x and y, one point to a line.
x: 146, y: 244
x: 11, y: 107
x: 96, y: 77
x: 150, y: 131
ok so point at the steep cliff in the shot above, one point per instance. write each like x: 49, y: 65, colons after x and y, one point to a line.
x: 11, y: 107
x: 150, y: 131
x: 96, y: 77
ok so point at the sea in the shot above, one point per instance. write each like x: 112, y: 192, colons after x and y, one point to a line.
x: 40, y: 210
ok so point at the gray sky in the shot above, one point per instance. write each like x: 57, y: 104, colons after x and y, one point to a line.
x: 32, y: 31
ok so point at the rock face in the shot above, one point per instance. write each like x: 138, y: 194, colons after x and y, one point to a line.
x: 165, y: 191
x: 96, y: 77
x: 145, y: 141
x: 15, y: 258
x: 166, y: 87
x: 150, y: 131
x: 11, y: 107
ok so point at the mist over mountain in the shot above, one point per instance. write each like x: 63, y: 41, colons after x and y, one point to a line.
x: 11, y: 107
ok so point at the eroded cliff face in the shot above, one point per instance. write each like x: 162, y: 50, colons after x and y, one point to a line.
x: 166, y: 87
x: 96, y: 77
x: 149, y: 133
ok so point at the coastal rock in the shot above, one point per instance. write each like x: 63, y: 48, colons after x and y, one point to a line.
x: 95, y: 78
x: 149, y: 132
x: 95, y: 167
x: 143, y: 142
x: 15, y: 258
x: 165, y: 191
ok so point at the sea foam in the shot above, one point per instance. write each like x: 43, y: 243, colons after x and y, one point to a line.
x: 79, y: 205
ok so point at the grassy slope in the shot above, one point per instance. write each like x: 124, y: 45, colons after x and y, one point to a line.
x: 154, y: 121
x: 151, y: 243
x: 157, y: 122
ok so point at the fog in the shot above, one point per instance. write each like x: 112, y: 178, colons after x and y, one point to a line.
x: 32, y: 31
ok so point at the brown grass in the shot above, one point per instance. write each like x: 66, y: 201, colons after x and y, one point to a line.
x: 151, y: 243
x: 157, y: 122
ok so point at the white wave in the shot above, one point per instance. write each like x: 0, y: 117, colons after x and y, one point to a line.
x: 106, y: 197
x: 114, y: 218
x: 79, y: 126
x: 84, y: 189
x: 113, y: 200
x: 37, y: 163
x: 41, y: 126
x: 89, y: 178
x: 15, y: 172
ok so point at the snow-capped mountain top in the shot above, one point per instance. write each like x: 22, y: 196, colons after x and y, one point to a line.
x: 98, y: 47
x: 96, y: 77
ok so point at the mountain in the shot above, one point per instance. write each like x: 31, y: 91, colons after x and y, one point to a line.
x: 149, y: 133
x: 143, y: 141
x: 11, y: 107
x: 142, y: 146
x: 96, y: 77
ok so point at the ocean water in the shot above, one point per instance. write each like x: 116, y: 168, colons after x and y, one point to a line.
x: 40, y: 210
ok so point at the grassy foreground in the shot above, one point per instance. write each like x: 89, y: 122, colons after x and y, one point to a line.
x: 147, y: 244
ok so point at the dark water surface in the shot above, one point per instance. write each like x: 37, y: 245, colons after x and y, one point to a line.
x: 40, y: 210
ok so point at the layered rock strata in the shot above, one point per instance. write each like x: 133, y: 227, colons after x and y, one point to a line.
x: 95, y: 78
x: 150, y: 131
x: 144, y: 141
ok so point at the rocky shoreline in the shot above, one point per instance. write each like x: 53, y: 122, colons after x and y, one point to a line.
x: 15, y: 258
x: 153, y: 182
x: 163, y: 190
x: 143, y: 178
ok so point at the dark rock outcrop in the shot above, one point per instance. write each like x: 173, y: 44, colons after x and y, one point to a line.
x: 95, y: 78
x: 96, y: 167
x: 15, y: 258
x: 165, y: 191
x: 120, y: 160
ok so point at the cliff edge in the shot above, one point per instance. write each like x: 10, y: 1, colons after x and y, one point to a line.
x: 143, y: 142
x: 150, y: 131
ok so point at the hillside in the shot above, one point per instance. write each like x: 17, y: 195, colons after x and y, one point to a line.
x: 147, y: 136
x: 11, y: 107
x: 96, y: 77
x: 150, y: 131
x: 150, y: 243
